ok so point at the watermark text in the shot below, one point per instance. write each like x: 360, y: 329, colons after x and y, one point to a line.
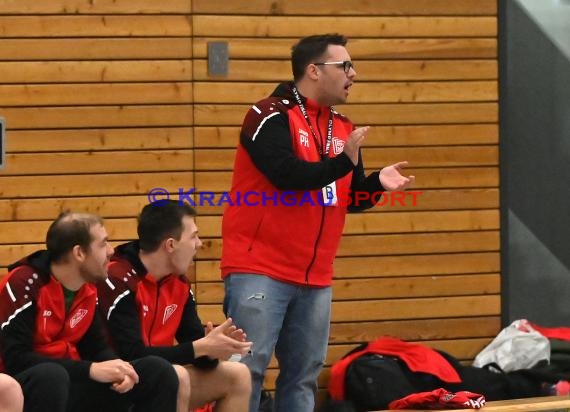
x: 160, y: 196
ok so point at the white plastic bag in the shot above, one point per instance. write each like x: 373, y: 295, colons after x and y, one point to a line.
x: 518, y: 346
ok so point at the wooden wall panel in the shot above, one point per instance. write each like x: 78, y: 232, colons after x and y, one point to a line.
x: 100, y: 26
x: 356, y: 7
x: 98, y: 103
x: 419, y: 48
x: 106, y: 100
x: 94, y: 71
x: 105, y: 7
x: 355, y: 26
x: 96, y: 48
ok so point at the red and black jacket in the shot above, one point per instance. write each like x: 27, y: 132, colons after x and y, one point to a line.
x: 284, y: 231
x: 36, y: 328
x: 146, y: 317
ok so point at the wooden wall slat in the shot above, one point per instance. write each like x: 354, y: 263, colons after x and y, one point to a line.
x: 368, y: 70
x: 96, y: 71
x: 48, y: 208
x: 418, y: 221
x: 419, y: 243
x: 389, y: 266
x: 95, y: 93
x: 72, y: 140
x: 386, y: 288
x: 95, y: 7
x: 398, y: 244
x: 105, y: 26
x: 339, y: 7
x: 417, y: 287
x: 100, y: 184
x: 416, y: 329
x: 434, y: 156
x: 393, y: 222
x: 356, y: 26
x: 90, y: 162
x: 427, y: 265
x: 425, y: 308
x: 427, y: 113
x: 448, y: 48
x: 96, y: 48
x: 103, y: 116
x: 464, y: 91
x: 392, y: 310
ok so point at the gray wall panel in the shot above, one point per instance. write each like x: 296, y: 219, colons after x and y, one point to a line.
x: 535, y: 160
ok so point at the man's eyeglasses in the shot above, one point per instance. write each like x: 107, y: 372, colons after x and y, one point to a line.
x: 346, y: 65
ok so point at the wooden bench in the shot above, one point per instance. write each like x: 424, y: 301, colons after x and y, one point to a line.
x: 543, y: 403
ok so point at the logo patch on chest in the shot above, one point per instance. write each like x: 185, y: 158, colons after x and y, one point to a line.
x: 76, y: 318
x: 168, y: 312
x: 338, y: 145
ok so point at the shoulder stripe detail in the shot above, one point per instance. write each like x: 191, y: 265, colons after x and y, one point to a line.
x: 13, y: 315
x: 9, y: 289
x: 261, y: 124
x: 110, y: 284
x: 254, y: 107
x: 116, y: 301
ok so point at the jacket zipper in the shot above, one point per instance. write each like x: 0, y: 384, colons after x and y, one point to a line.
x: 315, y: 247
x: 154, y: 317
x: 322, y: 216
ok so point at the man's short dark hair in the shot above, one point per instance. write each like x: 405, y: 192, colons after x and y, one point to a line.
x: 70, y: 230
x: 310, y: 49
x: 159, y: 222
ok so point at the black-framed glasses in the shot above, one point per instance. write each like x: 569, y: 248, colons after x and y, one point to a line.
x: 346, y: 65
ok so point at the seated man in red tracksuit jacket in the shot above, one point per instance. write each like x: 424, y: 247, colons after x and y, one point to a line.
x: 49, y: 320
x: 148, y: 305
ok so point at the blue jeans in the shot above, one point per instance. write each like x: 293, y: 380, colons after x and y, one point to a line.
x: 294, y: 320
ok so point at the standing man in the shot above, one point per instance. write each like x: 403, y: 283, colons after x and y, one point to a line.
x: 302, y: 160
x: 149, y: 305
x: 48, y: 317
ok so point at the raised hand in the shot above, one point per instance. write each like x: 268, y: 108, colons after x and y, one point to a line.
x: 352, y: 144
x: 392, y: 179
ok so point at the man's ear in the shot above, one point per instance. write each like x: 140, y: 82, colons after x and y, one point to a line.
x: 78, y: 253
x: 312, y: 71
x: 168, y: 244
